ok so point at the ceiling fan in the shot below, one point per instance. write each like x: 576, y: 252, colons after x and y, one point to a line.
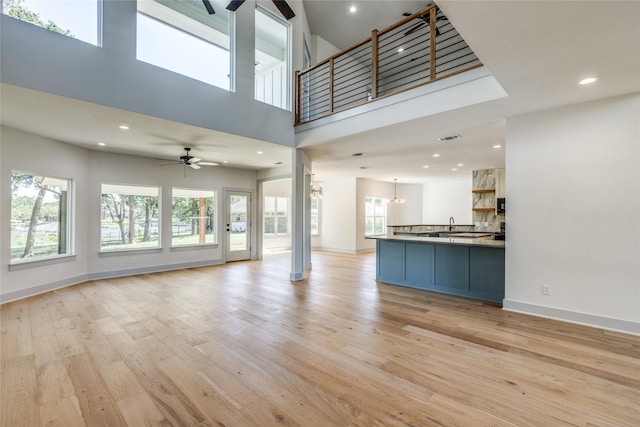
x: 425, y: 21
x: 188, y: 160
x: 233, y: 5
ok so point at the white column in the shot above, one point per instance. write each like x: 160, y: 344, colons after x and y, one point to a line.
x: 300, y: 241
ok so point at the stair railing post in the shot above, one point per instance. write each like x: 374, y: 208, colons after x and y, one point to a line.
x: 374, y: 64
x: 432, y: 36
x: 331, y: 85
x: 297, y: 99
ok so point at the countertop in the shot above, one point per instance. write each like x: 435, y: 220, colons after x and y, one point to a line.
x: 478, y: 241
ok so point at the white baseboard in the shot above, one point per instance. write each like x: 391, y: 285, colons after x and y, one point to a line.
x: 365, y: 250
x: 592, y: 320
x: 295, y: 277
x: 59, y: 284
x: 41, y: 289
x: 339, y: 250
x: 153, y: 269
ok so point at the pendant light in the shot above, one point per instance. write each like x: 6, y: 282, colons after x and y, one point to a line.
x: 395, y: 194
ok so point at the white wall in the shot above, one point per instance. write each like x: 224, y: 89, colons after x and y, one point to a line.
x: 30, y: 153
x: 408, y: 213
x: 574, y: 213
x: 448, y: 197
x: 338, y: 215
x: 112, y: 76
x: 89, y: 169
x: 321, y: 49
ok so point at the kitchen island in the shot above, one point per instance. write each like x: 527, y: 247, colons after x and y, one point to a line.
x: 470, y: 267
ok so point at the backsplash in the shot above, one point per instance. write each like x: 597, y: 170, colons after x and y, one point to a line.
x: 484, y: 201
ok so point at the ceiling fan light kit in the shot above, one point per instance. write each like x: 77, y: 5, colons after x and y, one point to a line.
x: 193, y: 162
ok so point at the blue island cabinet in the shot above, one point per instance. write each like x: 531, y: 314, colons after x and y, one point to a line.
x: 466, y: 270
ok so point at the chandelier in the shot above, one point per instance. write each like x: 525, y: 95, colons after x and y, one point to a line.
x: 316, y: 190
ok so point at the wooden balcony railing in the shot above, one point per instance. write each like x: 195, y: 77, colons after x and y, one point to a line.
x: 418, y: 50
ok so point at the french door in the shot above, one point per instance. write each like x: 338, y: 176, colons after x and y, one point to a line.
x: 238, y: 225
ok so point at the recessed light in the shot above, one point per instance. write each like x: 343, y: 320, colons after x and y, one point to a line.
x: 588, y: 81
x: 425, y: 167
x: 454, y: 169
x: 435, y: 155
x: 124, y: 127
x: 102, y: 144
x: 225, y: 161
x: 259, y: 152
x: 460, y: 164
x: 497, y: 146
x: 358, y: 154
x: 401, y: 50
x: 353, y: 9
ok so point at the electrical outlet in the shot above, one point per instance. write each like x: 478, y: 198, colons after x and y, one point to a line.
x: 546, y: 290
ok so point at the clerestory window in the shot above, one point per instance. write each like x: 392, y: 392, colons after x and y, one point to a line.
x: 183, y: 37
x: 78, y: 19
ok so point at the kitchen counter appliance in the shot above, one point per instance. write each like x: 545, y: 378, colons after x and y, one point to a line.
x: 500, y: 235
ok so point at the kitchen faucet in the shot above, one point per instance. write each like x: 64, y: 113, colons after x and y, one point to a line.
x: 451, y: 222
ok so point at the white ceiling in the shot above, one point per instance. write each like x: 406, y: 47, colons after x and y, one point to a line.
x: 536, y: 50
x: 85, y: 124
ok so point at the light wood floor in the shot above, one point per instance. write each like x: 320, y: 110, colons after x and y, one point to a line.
x: 241, y: 345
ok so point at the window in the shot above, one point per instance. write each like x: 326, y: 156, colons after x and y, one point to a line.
x: 375, y: 216
x: 276, y: 216
x: 129, y: 217
x: 79, y: 19
x: 272, y: 60
x: 181, y: 36
x: 40, y: 217
x: 315, y: 216
x: 193, y: 217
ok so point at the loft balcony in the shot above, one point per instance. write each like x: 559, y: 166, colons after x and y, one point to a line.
x: 421, y: 49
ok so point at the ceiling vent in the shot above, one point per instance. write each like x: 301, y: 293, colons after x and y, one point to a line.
x: 448, y: 138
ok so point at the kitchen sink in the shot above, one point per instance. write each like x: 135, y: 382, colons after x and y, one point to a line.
x: 466, y: 234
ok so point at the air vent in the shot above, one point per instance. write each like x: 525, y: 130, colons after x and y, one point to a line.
x: 358, y: 154
x: 448, y: 138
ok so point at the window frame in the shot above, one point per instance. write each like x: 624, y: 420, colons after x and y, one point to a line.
x: 317, y: 216
x: 288, y: 59
x: 277, y: 217
x: 99, y: 23
x: 185, y: 18
x: 214, y: 217
x: 117, y: 249
x: 69, y: 253
x: 383, y: 202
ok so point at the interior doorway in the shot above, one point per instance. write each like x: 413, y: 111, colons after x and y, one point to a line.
x: 276, y: 216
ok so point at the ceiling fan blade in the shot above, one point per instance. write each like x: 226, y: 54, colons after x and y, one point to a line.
x: 209, y: 164
x: 194, y: 159
x: 284, y: 9
x: 207, y: 5
x: 194, y: 166
x: 234, y: 5
x: 413, y: 29
x: 172, y: 163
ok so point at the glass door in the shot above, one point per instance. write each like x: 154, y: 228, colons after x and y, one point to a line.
x: 238, y: 225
